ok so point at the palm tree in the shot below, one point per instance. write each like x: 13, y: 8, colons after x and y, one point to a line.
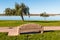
x: 17, y: 6
x: 44, y: 15
x: 22, y: 10
x: 13, y: 12
x: 8, y: 11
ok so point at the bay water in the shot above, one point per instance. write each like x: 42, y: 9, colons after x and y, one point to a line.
x: 30, y: 18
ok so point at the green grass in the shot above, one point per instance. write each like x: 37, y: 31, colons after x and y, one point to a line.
x: 14, y: 23
x: 55, y: 35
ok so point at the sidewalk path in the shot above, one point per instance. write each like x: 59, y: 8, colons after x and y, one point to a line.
x: 47, y: 28
x: 15, y: 30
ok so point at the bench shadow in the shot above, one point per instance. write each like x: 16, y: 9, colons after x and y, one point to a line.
x: 30, y: 32
x: 49, y: 31
x: 36, y: 32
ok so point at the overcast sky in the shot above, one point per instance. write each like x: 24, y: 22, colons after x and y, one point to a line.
x: 36, y: 6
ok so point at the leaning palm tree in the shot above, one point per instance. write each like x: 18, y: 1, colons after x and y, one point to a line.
x: 22, y: 10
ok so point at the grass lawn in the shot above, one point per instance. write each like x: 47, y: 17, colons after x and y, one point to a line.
x: 45, y: 36
x: 14, y: 23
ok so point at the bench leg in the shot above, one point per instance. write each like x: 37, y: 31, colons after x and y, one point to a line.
x: 41, y: 31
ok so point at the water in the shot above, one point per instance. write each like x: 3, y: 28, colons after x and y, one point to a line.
x: 31, y: 18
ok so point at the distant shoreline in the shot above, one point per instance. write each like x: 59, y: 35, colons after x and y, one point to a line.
x: 31, y: 15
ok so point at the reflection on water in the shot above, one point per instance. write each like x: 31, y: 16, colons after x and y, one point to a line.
x: 31, y: 18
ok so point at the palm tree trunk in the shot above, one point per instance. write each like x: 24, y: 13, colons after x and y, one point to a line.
x: 22, y: 17
x: 29, y: 14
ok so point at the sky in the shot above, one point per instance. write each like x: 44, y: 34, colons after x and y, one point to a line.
x: 36, y: 6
